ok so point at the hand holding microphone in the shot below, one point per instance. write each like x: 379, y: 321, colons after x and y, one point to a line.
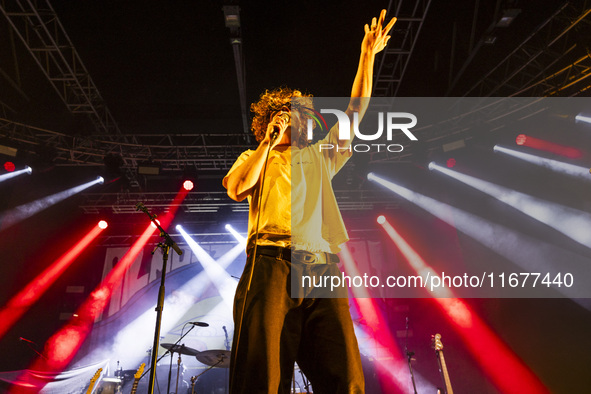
x: 277, y: 128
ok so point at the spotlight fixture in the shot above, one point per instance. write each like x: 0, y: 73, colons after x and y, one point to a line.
x: 103, y: 224
x: 9, y: 166
x: 188, y: 185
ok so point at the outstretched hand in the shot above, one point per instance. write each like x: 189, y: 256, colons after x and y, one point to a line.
x: 376, y: 37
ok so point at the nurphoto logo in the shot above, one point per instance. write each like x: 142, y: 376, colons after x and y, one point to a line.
x: 395, y: 121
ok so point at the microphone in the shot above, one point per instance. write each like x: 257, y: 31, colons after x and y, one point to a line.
x: 199, y: 323
x: 26, y: 340
x: 276, y: 128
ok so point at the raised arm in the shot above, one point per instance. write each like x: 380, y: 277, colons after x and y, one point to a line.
x: 375, y: 39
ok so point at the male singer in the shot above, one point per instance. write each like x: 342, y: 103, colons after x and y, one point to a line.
x: 272, y: 329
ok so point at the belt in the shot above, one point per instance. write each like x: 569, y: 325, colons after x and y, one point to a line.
x: 275, y: 251
x: 299, y: 255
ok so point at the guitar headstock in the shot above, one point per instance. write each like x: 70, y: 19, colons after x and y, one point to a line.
x: 437, y: 344
x: 140, y: 371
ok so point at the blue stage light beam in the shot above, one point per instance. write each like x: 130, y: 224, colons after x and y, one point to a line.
x: 573, y: 223
x: 236, y: 235
x: 225, y: 284
x: 528, y: 253
x: 553, y: 165
x: 128, y: 347
x: 583, y: 118
x: 9, y: 175
x: 22, y: 212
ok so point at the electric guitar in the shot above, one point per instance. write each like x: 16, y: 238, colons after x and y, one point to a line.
x: 137, y: 377
x: 438, y: 346
x: 93, y: 381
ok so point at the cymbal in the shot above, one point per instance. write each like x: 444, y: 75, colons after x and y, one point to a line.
x: 180, y: 349
x: 215, y: 358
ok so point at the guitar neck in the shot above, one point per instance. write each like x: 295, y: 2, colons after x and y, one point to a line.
x: 444, y: 373
x: 134, y: 387
x: 137, y: 377
x: 93, y: 381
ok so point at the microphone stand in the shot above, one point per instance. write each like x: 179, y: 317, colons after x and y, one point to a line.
x: 165, y: 246
x: 409, y: 358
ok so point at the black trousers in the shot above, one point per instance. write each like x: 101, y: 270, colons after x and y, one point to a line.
x: 278, y: 330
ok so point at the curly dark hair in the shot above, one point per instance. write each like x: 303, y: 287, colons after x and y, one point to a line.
x: 272, y: 101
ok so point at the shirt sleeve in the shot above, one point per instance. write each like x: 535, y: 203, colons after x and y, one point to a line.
x: 241, y: 159
x: 335, y: 158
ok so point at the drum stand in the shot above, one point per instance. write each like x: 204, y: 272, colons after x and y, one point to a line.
x: 194, y: 378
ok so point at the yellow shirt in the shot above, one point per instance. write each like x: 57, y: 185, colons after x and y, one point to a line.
x: 299, y: 208
x: 275, y: 220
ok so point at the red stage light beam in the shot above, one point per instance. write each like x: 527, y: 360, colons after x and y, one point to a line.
x: 547, y: 146
x: 392, y: 370
x: 507, y: 372
x: 61, y: 348
x: 21, y: 302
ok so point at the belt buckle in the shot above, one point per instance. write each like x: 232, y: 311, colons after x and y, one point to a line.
x: 304, y: 256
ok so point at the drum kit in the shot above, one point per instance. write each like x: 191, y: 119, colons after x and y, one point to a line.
x: 123, y: 379
x: 214, y: 382
x: 212, y: 358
